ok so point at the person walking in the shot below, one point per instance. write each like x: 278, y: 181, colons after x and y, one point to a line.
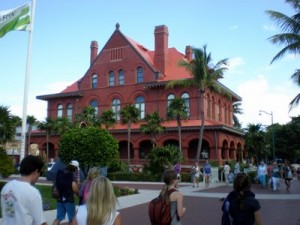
x: 287, y: 174
x: 226, y: 171
x: 241, y: 203
x: 275, y: 176
x: 207, y: 173
x: 236, y: 169
x: 21, y: 202
x: 85, y: 187
x: 261, y: 174
x: 171, y: 180
x: 100, y: 207
x: 195, y: 172
x: 66, y: 183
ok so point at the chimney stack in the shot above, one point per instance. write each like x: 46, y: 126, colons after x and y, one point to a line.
x: 161, y: 56
x: 188, y: 52
x: 94, y: 51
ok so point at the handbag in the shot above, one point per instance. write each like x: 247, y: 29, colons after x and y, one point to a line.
x: 54, y: 192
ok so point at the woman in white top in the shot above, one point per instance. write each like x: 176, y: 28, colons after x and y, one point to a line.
x: 100, y: 207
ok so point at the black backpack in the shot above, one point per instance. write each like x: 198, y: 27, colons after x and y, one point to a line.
x: 63, y: 184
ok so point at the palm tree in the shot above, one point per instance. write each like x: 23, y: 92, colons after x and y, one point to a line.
x: 62, y: 125
x: 88, y: 117
x: 153, y: 126
x: 237, y: 110
x: 8, y: 124
x: 108, y: 118
x: 31, y: 121
x: 290, y: 38
x: 255, y: 140
x: 49, y: 126
x: 129, y: 114
x: 177, y: 110
x: 204, y: 75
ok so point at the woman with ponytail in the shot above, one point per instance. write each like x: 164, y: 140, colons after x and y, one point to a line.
x: 243, y: 207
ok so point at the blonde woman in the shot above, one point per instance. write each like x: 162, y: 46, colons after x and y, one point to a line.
x: 100, y: 207
x: 85, y: 187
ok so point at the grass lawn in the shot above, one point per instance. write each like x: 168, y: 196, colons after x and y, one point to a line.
x: 49, y: 203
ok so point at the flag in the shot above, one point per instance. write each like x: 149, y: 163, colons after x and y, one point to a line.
x: 15, y: 19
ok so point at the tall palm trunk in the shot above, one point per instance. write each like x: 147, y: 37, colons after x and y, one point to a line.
x: 201, y: 107
x: 179, y: 133
x: 128, y: 142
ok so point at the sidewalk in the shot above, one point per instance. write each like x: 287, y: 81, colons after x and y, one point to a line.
x: 204, y: 205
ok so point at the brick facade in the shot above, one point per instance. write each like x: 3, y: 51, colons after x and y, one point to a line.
x: 221, y: 140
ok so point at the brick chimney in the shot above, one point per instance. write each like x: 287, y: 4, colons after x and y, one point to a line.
x: 94, y: 51
x: 161, y: 56
x: 188, y: 52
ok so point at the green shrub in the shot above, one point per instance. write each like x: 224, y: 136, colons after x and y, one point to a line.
x: 6, y: 164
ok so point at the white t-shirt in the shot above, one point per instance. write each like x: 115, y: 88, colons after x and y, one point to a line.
x: 226, y: 169
x: 262, y: 170
x: 21, y: 204
x: 81, y: 216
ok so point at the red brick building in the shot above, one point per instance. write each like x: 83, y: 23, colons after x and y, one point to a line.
x: 125, y: 72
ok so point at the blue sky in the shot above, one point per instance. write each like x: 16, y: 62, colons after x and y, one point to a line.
x: 238, y: 30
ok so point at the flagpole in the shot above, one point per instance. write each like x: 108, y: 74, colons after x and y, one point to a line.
x: 26, y: 83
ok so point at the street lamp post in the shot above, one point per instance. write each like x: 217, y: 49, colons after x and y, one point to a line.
x: 273, y: 140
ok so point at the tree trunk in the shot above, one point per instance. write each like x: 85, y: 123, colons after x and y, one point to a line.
x: 128, y: 142
x: 179, y: 134
x: 201, y: 107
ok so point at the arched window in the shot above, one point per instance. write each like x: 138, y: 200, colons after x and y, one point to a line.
x: 94, y: 81
x: 111, y: 81
x: 186, y: 98
x: 140, y: 104
x: 116, y: 107
x: 69, y: 112
x: 121, y: 77
x: 139, y: 75
x: 169, y: 99
x: 60, y: 109
x: 94, y: 104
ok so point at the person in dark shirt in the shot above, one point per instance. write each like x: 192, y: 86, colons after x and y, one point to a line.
x: 243, y: 207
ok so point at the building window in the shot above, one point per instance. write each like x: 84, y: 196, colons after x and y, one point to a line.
x: 140, y: 104
x: 116, y: 107
x: 69, y: 112
x: 169, y: 99
x: 94, y: 81
x: 121, y: 77
x: 94, y: 104
x: 60, y: 109
x: 111, y: 78
x: 186, y: 98
x: 140, y: 75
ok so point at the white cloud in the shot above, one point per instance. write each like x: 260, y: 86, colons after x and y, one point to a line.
x: 234, y: 63
x: 258, y: 94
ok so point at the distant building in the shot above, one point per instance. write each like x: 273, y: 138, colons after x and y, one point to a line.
x: 125, y: 72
